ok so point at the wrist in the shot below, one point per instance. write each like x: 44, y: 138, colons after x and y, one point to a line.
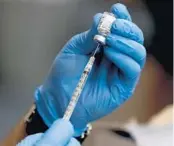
x: 49, y: 113
x: 78, y: 132
x: 35, y: 124
x: 48, y: 122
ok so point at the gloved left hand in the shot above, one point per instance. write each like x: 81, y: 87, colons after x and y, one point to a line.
x: 59, y: 134
x: 111, y: 82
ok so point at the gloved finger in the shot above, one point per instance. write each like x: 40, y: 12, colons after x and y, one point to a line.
x: 30, y: 140
x: 59, y: 133
x: 128, y: 47
x: 103, y: 69
x: 73, y: 142
x: 120, y: 11
x: 129, y: 67
x: 83, y: 43
x: 127, y: 29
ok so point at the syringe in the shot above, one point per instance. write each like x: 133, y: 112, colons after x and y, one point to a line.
x: 78, y: 90
x: 103, y: 29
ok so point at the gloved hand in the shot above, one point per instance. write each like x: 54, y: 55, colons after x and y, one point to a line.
x: 59, y: 134
x: 111, y: 82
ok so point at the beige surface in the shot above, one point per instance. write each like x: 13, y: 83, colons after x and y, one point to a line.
x: 164, y: 117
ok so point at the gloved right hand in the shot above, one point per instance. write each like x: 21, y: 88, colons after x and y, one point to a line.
x: 111, y: 82
x: 59, y: 134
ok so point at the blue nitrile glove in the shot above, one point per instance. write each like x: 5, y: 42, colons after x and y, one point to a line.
x: 59, y: 134
x: 111, y: 82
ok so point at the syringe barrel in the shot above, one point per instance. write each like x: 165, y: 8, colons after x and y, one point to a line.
x: 78, y: 89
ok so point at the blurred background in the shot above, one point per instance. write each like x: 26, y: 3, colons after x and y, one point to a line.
x: 32, y: 32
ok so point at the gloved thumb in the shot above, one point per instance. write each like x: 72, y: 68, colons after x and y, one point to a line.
x: 30, y: 140
x: 59, y: 133
x: 83, y: 43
